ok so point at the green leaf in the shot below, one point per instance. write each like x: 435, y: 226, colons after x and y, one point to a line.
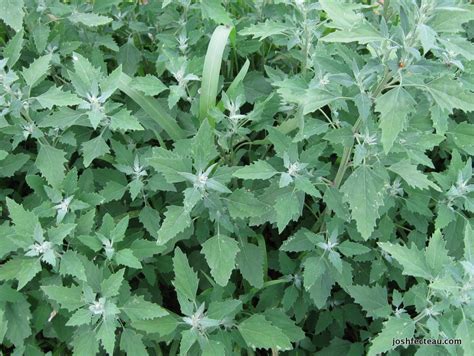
x: 213, y: 348
x: 436, y: 254
x: 212, y: 67
x: 372, y: 299
x: 177, y: 219
x: 394, y: 328
x: 250, y: 261
x: 265, y: 29
x: 69, y: 298
x: 111, y: 285
x: 257, y: 170
x: 93, y: 149
x: 148, y: 85
x: 153, y: 109
x: 202, y: 146
x: 362, y: 190
x: 137, y: 308
x: 12, y: 50
x: 394, y: 107
x: 21, y: 269
x: 25, y: 221
x: 12, y: 163
x: 36, y: 70
x: 288, y: 207
x: 412, y: 176
x: 129, y: 57
x: 132, y: 344
x: 106, y: 335
x: 259, y: 333
x: 18, y: 316
x: 462, y: 135
x: 84, y: 342
x: 243, y: 204
x: 127, y: 258
x: 11, y: 12
x: 449, y: 94
x: 89, y: 19
x: 185, y: 279
x: 362, y: 33
x: 412, y: 259
x: 56, y: 97
x: 220, y: 252
x: 465, y: 332
x: 80, y: 317
x: 50, y: 162
x: 163, y: 326
x: 124, y: 120
x: 72, y: 265
x: 214, y: 10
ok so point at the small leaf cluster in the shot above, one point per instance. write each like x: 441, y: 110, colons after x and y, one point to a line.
x: 236, y: 177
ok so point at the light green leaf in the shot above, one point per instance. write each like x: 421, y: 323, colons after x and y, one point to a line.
x: 362, y: 32
x: 89, y: 19
x: 203, y: 147
x: 220, y: 252
x: 56, y: 97
x: 250, y: 261
x: 21, y: 269
x: 362, y: 190
x: 412, y: 260
x: 111, y: 285
x: 12, y: 50
x: 149, y: 85
x: 12, y: 163
x: 185, y: 279
x: 71, y: 264
x: 177, y: 219
x: 394, y: 328
x: 124, y: 120
x: 243, y: 204
x: 259, y: 333
x: 412, y: 176
x: 11, y: 12
x: 257, y: 170
x: 288, y: 207
x: 127, y: 258
x: 80, y: 317
x: 94, y: 148
x: 84, y: 342
x: 137, y: 308
x: 214, y: 10
x: 436, y: 254
x: 213, y: 348
x: 132, y: 344
x: 106, y: 335
x: 50, y: 162
x: 36, y: 70
x: 465, y: 332
x: 462, y: 135
x: 394, y: 107
x: 265, y: 29
x: 372, y: 299
x: 449, y: 94
x: 69, y: 298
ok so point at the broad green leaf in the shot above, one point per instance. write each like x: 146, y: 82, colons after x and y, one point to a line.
x: 106, y: 334
x: 213, y: 348
x: 250, y: 261
x: 89, y: 19
x: 21, y: 269
x: 412, y: 259
x: 69, y: 298
x: 126, y: 257
x: 243, y: 204
x: 12, y: 50
x: 71, y: 264
x: 257, y: 170
x: 394, y: 107
x: 124, y: 120
x: 202, y: 147
x: 57, y: 97
x: 111, y: 285
x: 18, y: 316
x: 185, y: 279
x: 131, y: 343
x: 50, y: 161
x: 220, y: 252
x: 260, y: 333
x: 436, y: 254
x: 282, y: 321
x: 394, y: 328
x: 163, y: 326
x: 288, y: 207
x: 363, y: 33
x: 449, y: 94
x: 412, y: 176
x: 36, y: 70
x: 84, y: 342
x: 214, y: 10
x: 372, y: 299
x: 12, y: 163
x: 25, y: 221
x: 465, y: 332
x: 148, y: 85
x: 265, y: 29
x: 93, y: 149
x: 177, y: 219
x: 80, y: 317
x: 362, y: 190
x: 462, y: 135
x: 12, y: 13
x: 137, y: 308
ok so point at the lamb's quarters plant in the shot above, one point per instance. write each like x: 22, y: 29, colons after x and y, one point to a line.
x: 236, y: 177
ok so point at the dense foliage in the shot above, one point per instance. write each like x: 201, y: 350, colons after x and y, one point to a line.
x: 236, y: 177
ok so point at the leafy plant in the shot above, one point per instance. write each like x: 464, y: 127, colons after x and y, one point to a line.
x: 236, y: 177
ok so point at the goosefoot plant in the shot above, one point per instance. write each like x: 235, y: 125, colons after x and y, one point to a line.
x: 236, y: 177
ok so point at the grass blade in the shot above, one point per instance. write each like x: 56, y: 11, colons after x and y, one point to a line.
x: 152, y: 108
x: 212, y: 68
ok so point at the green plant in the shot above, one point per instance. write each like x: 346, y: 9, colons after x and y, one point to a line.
x: 229, y: 177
